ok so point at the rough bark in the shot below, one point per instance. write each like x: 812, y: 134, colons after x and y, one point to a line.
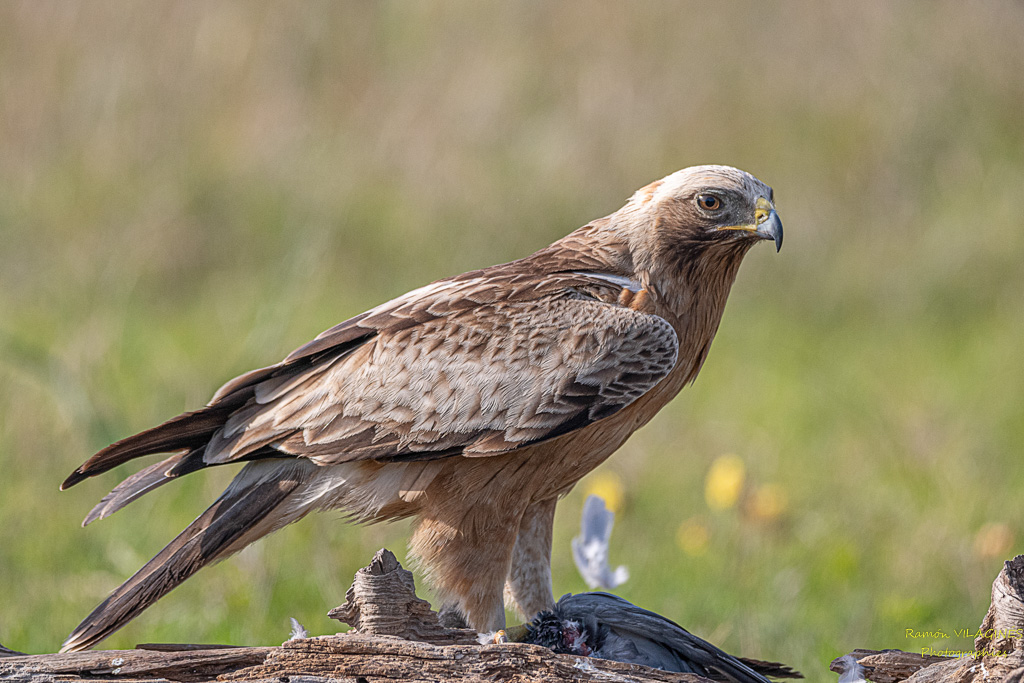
x: 382, y: 658
x: 347, y: 657
x: 129, y: 665
x: 382, y: 601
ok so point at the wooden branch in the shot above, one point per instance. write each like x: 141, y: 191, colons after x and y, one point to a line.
x: 381, y: 658
x: 1002, y: 629
x: 345, y: 657
x: 187, y: 666
x: 888, y: 666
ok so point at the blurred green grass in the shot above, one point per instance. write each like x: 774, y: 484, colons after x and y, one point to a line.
x: 188, y: 191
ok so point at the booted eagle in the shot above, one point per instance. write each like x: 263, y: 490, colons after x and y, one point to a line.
x: 472, y: 404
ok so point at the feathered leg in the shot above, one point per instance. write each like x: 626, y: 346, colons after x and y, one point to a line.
x: 528, y: 587
x: 467, y: 560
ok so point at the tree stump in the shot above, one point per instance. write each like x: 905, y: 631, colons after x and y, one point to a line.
x: 382, y: 602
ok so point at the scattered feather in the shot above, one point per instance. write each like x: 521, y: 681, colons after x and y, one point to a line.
x: 853, y: 672
x: 590, y: 548
x: 298, y: 630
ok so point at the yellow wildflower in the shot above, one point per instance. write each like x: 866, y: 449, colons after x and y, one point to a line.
x: 725, y: 482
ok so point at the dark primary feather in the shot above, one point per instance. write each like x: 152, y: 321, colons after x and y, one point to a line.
x: 211, y: 536
x: 144, y: 481
x: 187, y: 430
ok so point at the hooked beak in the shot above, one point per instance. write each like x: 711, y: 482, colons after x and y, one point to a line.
x: 767, y: 224
x: 771, y: 229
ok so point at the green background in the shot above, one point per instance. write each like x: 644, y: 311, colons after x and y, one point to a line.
x: 191, y: 190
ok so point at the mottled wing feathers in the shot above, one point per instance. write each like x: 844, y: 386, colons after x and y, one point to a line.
x: 472, y: 376
x: 336, y: 340
x: 483, y: 363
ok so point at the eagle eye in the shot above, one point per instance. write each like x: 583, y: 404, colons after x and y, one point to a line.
x: 709, y: 202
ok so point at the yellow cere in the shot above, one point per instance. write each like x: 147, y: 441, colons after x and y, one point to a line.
x: 763, y: 210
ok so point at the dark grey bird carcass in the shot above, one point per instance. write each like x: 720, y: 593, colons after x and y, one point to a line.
x: 608, y: 627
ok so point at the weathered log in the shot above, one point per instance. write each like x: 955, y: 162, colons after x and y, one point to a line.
x: 397, y: 637
x: 1002, y: 629
x: 888, y: 666
x: 347, y: 657
x: 382, y: 658
x: 187, y: 665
